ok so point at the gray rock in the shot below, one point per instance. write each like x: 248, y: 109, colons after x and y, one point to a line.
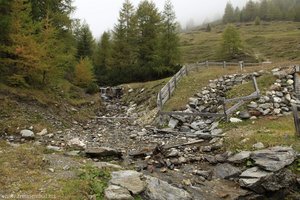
x: 173, y: 123
x: 252, y: 179
x: 226, y: 171
x: 277, y: 99
x: 258, y: 145
x: 53, y: 148
x: 265, y: 106
x: 105, y: 165
x: 193, y: 102
x: 274, y: 159
x: 277, y: 111
x: 102, y: 152
x: 172, y: 153
x: 267, y: 111
x: 205, y: 174
x: 131, y: 180
x: 161, y: 190
x: 27, y: 134
x: 244, y: 115
x: 282, y: 179
x: 114, y: 192
x: 240, y: 157
x: 216, y: 132
x: 252, y: 105
x: 202, y: 135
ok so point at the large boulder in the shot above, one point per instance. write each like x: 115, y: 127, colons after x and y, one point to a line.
x: 252, y: 179
x: 161, y: 190
x: 129, y: 179
x: 275, y: 158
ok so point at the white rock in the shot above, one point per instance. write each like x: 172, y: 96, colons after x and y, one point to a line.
x: 290, y: 82
x: 43, y: 132
x: 76, y: 143
x: 235, y: 120
x: 27, y: 134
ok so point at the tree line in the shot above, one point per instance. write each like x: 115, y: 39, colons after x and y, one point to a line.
x: 40, y: 45
x: 267, y: 10
x: 142, y: 46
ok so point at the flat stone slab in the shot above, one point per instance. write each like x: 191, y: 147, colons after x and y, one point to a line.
x: 253, y: 177
x: 129, y: 179
x: 114, y: 192
x: 275, y: 158
x: 240, y: 157
x: 161, y: 190
x: 226, y: 171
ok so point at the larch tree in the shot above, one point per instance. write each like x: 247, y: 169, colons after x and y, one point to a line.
x: 25, y: 50
x: 124, y: 37
x: 169, y: 40
x: 231, y: 42
x: 149, y: 26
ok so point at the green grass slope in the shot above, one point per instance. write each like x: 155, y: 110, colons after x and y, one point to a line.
x: 275, y: 41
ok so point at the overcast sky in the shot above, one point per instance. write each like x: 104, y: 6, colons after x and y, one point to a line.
x: 101, y: 15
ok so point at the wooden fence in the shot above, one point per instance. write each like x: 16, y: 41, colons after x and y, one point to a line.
x: 166, y: 92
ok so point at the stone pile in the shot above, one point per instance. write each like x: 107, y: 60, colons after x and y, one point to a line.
x: 278, y: 99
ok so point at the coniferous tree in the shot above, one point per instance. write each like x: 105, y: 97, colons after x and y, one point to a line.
x: 85, y: 42
x: 103, y: 56
x: 149, y: 26
x: 26, y: 52
x: 228, y: 16
x: 170, y: 40
x: 231, y: 42
x: 83, y: 74
x: 124, y: 35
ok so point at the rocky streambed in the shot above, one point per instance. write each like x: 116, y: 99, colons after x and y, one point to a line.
x: 187, y: 160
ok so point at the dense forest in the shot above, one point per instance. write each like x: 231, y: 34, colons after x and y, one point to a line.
x: 42, y: 45
x: 267, y: 10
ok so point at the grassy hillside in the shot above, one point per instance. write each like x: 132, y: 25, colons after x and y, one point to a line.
x: 276, y: 41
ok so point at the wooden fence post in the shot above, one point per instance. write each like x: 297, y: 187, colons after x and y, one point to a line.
x: 224, y: 64
x: 241, y: 65
x: 186, y: 70
x: 296, y: 120
x: 169, y: 89
x: 160, y: 101
x: 175, y: 81
x: 206, y: 63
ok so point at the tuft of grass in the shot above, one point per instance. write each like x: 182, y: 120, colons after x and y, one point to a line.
x: 269, y: 131
x: 264, y: 83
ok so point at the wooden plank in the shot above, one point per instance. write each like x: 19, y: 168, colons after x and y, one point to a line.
x: 254, y: 95
x: 235, y: 107
x: 160, y: 103
x: 193, y: 114
x: 296, y: 120
x: 255, y: 85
